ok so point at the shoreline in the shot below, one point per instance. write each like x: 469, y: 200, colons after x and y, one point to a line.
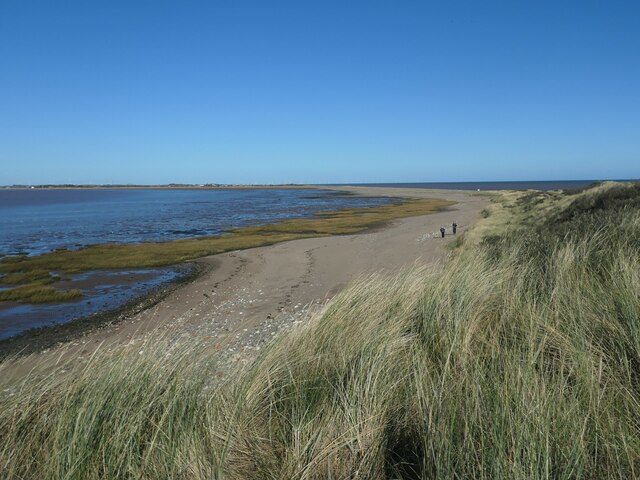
x: 237, y: 300
x: 38, y: 339
x: 31, y: 278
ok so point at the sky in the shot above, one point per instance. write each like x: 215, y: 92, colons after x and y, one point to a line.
x: 156, y: 92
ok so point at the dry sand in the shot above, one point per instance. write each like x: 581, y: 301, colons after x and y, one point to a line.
x: 247, y: 296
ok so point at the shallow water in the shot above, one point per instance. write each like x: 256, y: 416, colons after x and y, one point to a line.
x: 102, y: 291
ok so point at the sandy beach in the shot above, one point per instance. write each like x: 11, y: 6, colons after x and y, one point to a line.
x: 245, y: 297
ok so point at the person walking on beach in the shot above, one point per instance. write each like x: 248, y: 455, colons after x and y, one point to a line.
x: 455, y: 227
x: 442, y: 231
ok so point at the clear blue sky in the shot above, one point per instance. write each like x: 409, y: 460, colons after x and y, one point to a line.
x: 268, y: 92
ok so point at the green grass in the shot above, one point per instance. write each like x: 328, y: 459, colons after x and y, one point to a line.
x: 37, y: 293
x: 20, y: 269
x: 42, y: 277
x: 519, y: 360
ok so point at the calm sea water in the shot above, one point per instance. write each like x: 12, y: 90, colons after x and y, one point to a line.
x: 35, y: 221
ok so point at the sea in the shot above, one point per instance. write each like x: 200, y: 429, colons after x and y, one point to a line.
x: 38, y: 220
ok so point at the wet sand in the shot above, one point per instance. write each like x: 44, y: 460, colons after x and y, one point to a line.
x: 104, y: 292
x: 245, y: 297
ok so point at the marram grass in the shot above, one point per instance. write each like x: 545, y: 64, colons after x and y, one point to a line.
x: 519, y: 360
x: 21, y: 269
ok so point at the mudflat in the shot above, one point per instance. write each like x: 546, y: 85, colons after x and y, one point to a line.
x: 246, y: 296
